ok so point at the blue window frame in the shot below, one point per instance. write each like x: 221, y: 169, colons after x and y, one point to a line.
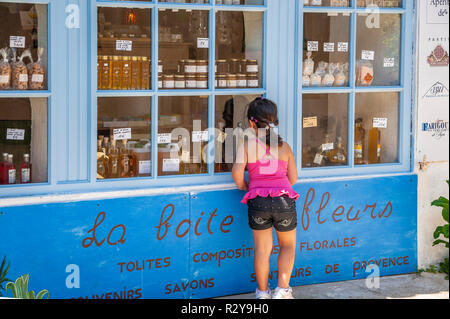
x: 402, y: 162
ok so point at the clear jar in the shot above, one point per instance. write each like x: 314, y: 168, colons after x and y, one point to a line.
x: 190, y: 67
x: 125, y: 82
x: 116, y: 73
x: 201, y: 67
x: 253, y: 80
x: 160, y: 81
x: 106, y: 73
x: 181, y: 66
x: 241, y: 80
x: 135, y: 83
x: 221, y: 67
x: 231, y: 81
x: 234, y: 66
x: 191, y: 81
x: 180, y: 82
x: 160, y: 67
x: 145, y: 73
x: 243, y: 65
x: 202, y: 81
x: 168, y: 81
x: 252, y: 66
x: 221, y: 81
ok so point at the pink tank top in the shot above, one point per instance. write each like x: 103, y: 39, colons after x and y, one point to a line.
x: 268, y: 177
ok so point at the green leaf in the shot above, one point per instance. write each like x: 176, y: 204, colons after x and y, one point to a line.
x: 438, y: 232
x: 445, y: 214
x: 31, y: 295
x: 440, y: 241
x: 41, y: 294
x: 445, y: 231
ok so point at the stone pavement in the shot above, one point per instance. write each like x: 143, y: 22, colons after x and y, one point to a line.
x: 410, y: 286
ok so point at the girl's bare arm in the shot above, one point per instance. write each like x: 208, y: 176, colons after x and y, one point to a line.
x: 239, y: 168
x: 292, y: 167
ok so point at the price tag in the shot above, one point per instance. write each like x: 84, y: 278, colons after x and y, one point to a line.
x: 327, y: 147
x: 202, y: 43
x: 144, y: 167
x: 4, y: 79
x: 23, y: 77
x: 328, y: 47
x: 318, y: 159
x: 310, y: 122
x: 124, y: 45
x: 171, y: 165
x: 15, y: 134
x: 17, y: 42
x: 342, y: 46
x: 313, y: 46
x: 200, y: 136
x: 389, y: 62
x: 122, y: 134
x: 368, y: 55
x: 37, y: 78
x: 380, y: 122
x: 164, y: 138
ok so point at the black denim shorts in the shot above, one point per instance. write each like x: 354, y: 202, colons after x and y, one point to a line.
x: 268, y: 212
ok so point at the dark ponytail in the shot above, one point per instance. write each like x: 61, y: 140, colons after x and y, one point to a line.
x: 264, y: 113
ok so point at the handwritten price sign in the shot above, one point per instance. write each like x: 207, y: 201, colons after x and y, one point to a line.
x: 14, y: 134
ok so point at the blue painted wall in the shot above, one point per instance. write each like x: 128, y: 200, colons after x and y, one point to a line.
x: 197, y: 245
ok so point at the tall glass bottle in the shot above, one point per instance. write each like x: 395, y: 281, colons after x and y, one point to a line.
x: 145, y: 73
x: 124, y: 160
x: 116, y: 72
x: 10, y: 170
x: 106, y: 73
x: 25, y: 170
x: 374, y: 146
x: 135, y: 73
x: 360, y: 138
x: 126, y: 73
x: 3, y: 164
x: 338, y: 155
x: 101, y: 168
x: 114, y: 167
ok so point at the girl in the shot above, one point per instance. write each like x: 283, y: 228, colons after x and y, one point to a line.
x: 270, y: 197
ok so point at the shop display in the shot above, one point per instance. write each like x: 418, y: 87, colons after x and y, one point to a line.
x: 327, y: 3
x: 374, y: 146
x: 364, y: 73
x: 5, y: 70
x: 379, y: 3
x: 360, y: 138
x: 36, y: 72
x: 326, y: 74
x: 9, y: 174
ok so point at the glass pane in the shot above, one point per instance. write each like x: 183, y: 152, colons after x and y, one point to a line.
x: 324, y: 130
x: 326, y: 49
x: 376, y: 128
x: 182, y: 135
x: 378, y: 49
x: 124, y: 49
x: 240, y: 2
x: 327, y: 3
x: 231, y: 113
x: 379, y: 3
x: 239, y: 42
x: 186, y: 1
x: 124, y: 143
x: 23, y: 140
x: 183, y: 49
x: 23, y: 43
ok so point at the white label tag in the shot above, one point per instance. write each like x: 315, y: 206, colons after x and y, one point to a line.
x: 124, y: 45
x: 200, y: 136
x: 328, y: 47
x: 38, y: 78
x: 17, y: 42
x: 327, y: 147
x: 368, y: 55
x: 164, y: 138
x: 23, y: 77
x: 122, y: 134
x: 25, y: 175
x: 313, y: 46
x: 310, y: 122
x: 171, y: 165
x: 380, y: 122
x: 318, y: 159
x: 144, y: 167
x: 389, y: 62
x: 4, y: 79
x: 15, y: 134
x: 342, y: 46
x: 202, y: 43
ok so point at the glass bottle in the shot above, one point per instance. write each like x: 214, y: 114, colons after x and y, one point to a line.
x: 321, y: 158
x: 116, y: 71
x: 3, y: 166
x: 135, y: 83
x: 101, y: 168
x: 10, y: 170
x: 106, y: 73
x: 360, y: 135
x: 114, y: 171
x: 374, y: 146
x: 338, y: 155
x: 99, y: 71
x: 145, y: 73
x: 124, y: 160
x: 25, y: 170
x: 126, y: 73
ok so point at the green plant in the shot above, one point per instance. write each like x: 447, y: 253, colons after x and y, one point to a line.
x: 19, y: 289
x: 3, y: 273
x: 442, y: 230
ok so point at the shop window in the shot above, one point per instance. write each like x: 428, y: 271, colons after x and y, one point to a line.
x: 124, y: 49
x: 326, y: 49
x: 123, y: 140
x: 376, y: 128
x: 239, y: 42
x: 183, y: 135
x: 325, y: 133
x: 379, y: 3
x: 230, y: 117
x: 23, y: 140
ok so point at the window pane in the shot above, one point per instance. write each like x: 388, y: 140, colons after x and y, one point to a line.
x: 240, y: 2
x: 23, y: 140
x: 231, y: 113
x: 327, y: 3
x: 23, y: 43
x: 182, y: 135
x: 376, y: 128
x: 124, y: 49
x: 183, y: 49
x: 326, y: 49
x: 378, y: 49
x: 239, y: 42
x: 379, y: 3
x: 325, y: 118
x: 124, y: 143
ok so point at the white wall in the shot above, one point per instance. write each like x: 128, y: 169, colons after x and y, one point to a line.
x: 431, y: 146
